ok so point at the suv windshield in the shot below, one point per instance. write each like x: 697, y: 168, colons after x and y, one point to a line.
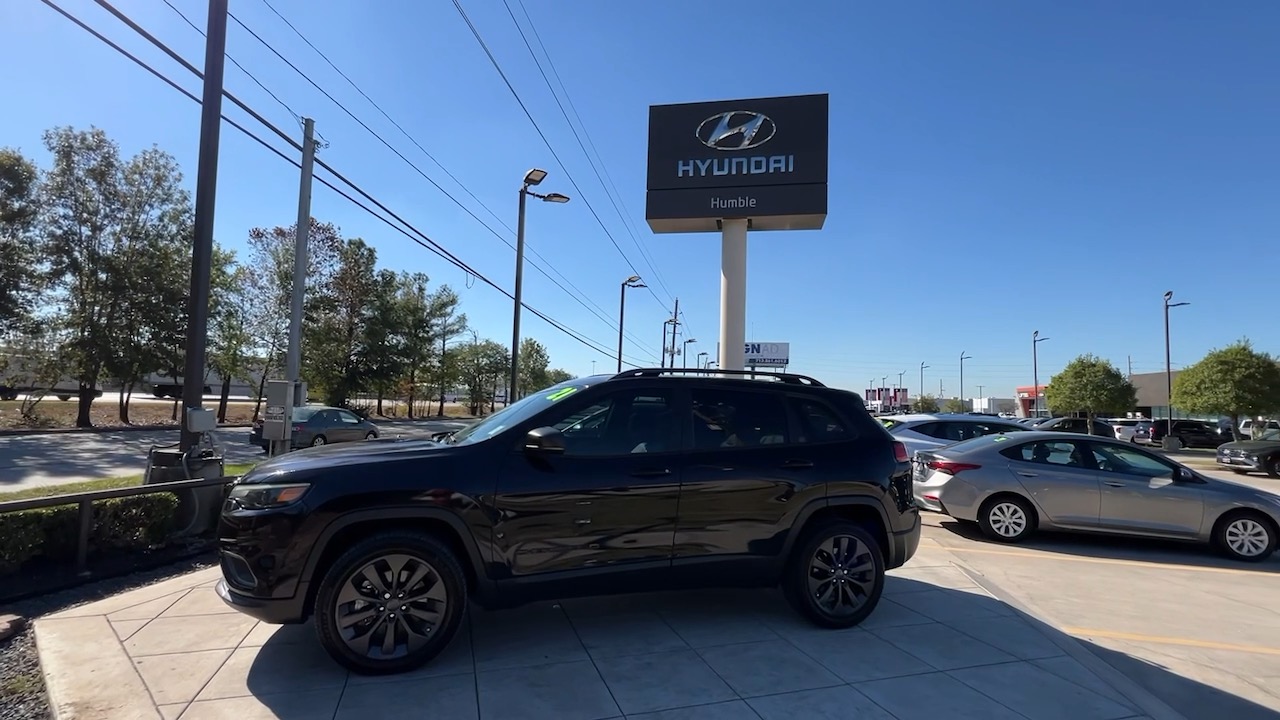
x: 517, y: 412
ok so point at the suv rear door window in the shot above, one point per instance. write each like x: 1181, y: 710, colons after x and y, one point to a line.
x: 819, y: 423
x: 735, y: 419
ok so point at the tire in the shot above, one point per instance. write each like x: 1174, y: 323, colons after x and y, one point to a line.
x: 817, y: 571
x: 1272, y: 466
x: 430, y: 622
x: 371, y: 435
x: 1246, y: 535
x: 1007, y: 518
x: 64, y: 398
x: 318, y: 440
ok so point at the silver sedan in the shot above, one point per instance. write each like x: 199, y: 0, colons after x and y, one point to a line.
x: 1013, y: 485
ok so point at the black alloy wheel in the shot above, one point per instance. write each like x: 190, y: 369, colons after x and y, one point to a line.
x: 391, y: 603
x: 837, y: 575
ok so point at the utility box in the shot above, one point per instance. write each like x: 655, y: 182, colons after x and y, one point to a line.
x: 198, y: 508
x: 277, y: 419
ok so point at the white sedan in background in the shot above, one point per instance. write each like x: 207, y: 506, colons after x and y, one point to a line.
x: 928, y: 432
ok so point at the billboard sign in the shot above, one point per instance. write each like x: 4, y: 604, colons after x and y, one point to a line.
x: 763, y: 159
x: 763, y: 354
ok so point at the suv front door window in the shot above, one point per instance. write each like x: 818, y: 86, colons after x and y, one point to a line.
x: 609, y: 499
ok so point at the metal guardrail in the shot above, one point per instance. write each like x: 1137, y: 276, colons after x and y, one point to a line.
x: 85, y: 502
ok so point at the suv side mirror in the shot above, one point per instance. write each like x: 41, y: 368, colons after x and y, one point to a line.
x: 545, y: 441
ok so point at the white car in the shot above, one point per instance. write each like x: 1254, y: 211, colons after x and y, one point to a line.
x: 1124, y: 427
x: 927, y: 432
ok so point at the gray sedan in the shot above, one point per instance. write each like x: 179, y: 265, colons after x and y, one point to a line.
x: 315, y: 425
x: 1013, y: 485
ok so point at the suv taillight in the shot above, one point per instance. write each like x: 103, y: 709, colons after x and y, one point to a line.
x: 950, y: 467
x: 900, y: 452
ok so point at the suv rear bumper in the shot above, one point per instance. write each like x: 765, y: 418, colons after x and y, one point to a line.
x: 276, y: 611
x: 904, y: 543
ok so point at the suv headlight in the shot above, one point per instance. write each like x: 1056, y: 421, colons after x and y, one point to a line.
x: 260, y: 497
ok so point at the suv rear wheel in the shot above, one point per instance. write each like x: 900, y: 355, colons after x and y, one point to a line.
x: 836, y: 577
x: 391, y: 603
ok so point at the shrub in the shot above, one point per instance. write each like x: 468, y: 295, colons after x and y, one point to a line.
x: 127, y: 523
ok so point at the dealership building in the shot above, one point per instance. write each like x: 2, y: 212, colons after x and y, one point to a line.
x: 1152, y: 394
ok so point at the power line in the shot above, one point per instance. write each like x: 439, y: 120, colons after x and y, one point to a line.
x: 577, y: 294
x: 576, y: 136
x: 497, y: 66
x: 425, y: 241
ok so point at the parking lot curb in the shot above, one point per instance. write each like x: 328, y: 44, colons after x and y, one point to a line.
x: 14, y: 432
x: 1150, y: 705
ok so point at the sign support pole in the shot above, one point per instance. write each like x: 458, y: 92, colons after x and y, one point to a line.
x: 733, y: 293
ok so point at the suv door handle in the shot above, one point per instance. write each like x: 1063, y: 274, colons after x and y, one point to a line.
x: 1023, y: 473
x: 650, y: 472
x: 797, y: 464
x: 1112, y: 483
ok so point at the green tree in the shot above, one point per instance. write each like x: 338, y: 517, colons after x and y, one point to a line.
x: 386, y: 335
x: 447, y: 324
x: 1092, y: 386
x: 269, y: 278
x: 1236, y: 381
x: 338, y: 322
x: 230, y: 341
x: 955, y: 405
x: 482, y: 366
x: 925, y: 404
x: 555, y: 376
x: 534, y: 362
x: 19, y: 184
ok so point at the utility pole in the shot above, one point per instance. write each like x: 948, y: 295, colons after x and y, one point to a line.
x: 922, y: 369
x: 675, y: 328
x: 215, y: 53
x: 293, y: 354
x: 1130, y: 359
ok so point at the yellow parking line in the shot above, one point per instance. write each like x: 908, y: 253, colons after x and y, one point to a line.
x: 1050, y: 555
x: 1161, y: 640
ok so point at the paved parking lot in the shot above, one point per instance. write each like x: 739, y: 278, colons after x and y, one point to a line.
x: 938, y: 646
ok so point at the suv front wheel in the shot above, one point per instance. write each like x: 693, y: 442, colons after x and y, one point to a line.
x: 837, y: 575
x: 391, y: 603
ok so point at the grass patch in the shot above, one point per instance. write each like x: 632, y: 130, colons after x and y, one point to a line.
x: 103, y: 484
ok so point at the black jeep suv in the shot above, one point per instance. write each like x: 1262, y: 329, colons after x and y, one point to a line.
x: 647, y: 480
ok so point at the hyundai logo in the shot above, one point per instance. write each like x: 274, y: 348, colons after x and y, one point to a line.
x: 736, y: 130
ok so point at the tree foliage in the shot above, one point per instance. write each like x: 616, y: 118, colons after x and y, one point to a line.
x: 925, y: 404
x: 1236, y: 381
x: 18, y: 209
x: 955, y: 405
x: 1092, y: 386
x: 482, y: 366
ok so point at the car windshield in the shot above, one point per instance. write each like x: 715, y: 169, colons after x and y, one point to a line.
x: 517, y: 412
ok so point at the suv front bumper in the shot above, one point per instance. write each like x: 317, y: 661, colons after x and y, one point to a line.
x: 276, y: 611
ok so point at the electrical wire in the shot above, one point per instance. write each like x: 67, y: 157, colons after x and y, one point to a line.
x: 619, y: 210
x: 573, y: 291
x: 425, y: 241
x: 497, y: 66
x: 577, y: 297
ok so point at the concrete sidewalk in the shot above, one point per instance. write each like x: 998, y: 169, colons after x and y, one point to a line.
x: 937, y: 646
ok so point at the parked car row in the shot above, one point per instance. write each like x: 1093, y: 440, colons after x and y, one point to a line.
x: 316, y: 425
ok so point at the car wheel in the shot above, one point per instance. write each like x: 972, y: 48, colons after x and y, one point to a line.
x: 1272, y: 466
x: 371, y: 435
x: 836, y: 576
x: 317, y: 441
x: 64, y: 398
x: 391, y: 603
x: 1246, y: 536
x: 1007, y: 518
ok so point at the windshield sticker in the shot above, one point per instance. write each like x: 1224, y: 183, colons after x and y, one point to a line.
x: 562, y: 393
x: 1001, y: 438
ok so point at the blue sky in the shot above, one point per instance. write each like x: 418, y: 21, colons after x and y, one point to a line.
x: 997, y: 167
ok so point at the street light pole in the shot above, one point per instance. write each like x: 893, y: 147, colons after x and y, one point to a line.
x: 896, y: 403
x: 684, y: 351
x: 632, y: 282
x: 1168, y: 362
x: 1035, y: 372
x: 531, y: 178
x: 923, y: 367
x: 963, y: 357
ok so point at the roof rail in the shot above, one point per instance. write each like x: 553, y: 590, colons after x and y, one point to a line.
x: 788, y: 378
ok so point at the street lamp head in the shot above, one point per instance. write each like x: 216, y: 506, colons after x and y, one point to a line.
x: 555, y: 198
x: 631, y: 280
x: 1168, y: 296
x: 690, y: 340
x: 535, y: 176
x: 1035, y: 335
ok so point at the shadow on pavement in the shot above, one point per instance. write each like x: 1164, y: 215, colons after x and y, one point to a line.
x: 935, y: 646
x: 1114, y: 547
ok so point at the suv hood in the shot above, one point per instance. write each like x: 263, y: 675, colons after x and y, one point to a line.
x: 1251, y: 445
x: 333, y: 456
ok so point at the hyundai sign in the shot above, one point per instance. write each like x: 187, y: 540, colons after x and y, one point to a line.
x: 761, y: 354
x: 764, y: 160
